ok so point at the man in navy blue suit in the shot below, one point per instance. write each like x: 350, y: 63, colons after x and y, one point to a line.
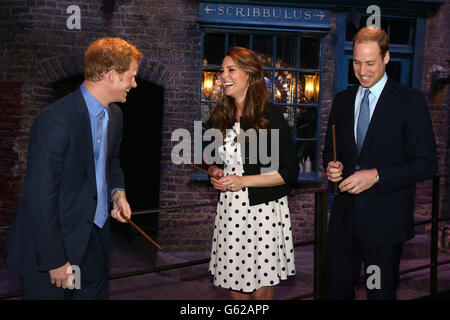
x: 385, y: 144
x: 73, y: 172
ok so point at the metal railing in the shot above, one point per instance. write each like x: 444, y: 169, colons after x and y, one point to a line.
x: 320, y: 205
x: 434, y: 263
x: 319, y: 241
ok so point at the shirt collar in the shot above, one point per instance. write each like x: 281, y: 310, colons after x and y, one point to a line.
x: 93, y: 105
x: 377, y: 88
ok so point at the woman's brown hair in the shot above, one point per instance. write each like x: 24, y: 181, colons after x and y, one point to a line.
x: 223, y: 114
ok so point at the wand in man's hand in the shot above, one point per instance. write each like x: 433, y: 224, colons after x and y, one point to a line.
x: 334, y: 156
x: 143, y: 233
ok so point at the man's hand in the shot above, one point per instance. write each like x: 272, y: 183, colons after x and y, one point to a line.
x: 60, y: 275
x: 334, y: 171
x: 121, y: 208
x: 359, y: 182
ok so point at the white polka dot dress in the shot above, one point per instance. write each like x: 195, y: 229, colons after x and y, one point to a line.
x: 252, y: 245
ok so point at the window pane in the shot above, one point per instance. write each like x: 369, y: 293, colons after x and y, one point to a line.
x: 206, y: 112
x: 351, y: 74
x: 263, y: 45
x: 306, y: 122
x: 351, y: 29
x: 214, y: 48
x: 354, y: 23
x: 399, y: 32
x: 288, y: 113
x: 286, y: 52
x: 305, y: 150
x: 309, y: 53
x: 284, y: 87
x: 385, y: 25
x: 238, y: 40
x: 394, y: 70
x: 268, y: 80
x: 308, y: 87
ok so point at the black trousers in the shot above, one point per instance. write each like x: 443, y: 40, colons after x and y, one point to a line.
x: 93, y: 276
x: 347, y: 250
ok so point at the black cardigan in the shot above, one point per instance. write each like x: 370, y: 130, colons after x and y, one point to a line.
x: 288, y: 161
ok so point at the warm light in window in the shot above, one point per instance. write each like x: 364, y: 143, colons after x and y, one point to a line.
x: 317, y: 86
x: 208, y: 83
x: 278, y: 94
x: 309, y: 86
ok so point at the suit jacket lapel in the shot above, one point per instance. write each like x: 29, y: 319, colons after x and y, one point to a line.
x: 86, y: 138
x: 350, y: 119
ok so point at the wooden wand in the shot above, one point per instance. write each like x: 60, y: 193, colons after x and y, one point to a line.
x: 194, y: 166
x: 334, y: 156
x: 143, y: 233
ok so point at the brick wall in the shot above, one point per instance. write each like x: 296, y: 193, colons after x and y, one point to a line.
x: 10, y: 186
x: 36, y: 49
x: 437, y: 53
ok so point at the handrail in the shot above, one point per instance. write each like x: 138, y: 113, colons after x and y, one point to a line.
x: 167, y: 209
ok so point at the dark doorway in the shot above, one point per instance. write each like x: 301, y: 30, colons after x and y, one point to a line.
x: 66, y: 86
x: 140, y: 153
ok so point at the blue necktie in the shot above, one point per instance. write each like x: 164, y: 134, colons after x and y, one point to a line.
x: 101, y: 214
x: 363, y: 120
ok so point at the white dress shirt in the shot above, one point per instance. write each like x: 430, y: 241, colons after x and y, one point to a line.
x: 375, y: 92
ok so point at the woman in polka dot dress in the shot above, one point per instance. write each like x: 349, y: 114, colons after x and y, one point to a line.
x: 252, y: 247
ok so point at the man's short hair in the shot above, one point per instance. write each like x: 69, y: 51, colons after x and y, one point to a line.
x: 106, y: 54
x: 373, y: 34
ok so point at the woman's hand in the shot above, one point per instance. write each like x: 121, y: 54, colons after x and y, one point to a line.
x: 233, y: 183
x: 216, y: 174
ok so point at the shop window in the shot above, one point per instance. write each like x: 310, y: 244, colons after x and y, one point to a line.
x: 292, y: 68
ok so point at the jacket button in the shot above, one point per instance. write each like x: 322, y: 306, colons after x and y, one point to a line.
x: 357, y: 167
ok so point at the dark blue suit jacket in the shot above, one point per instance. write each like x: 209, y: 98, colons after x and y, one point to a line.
x: 55, y: 216
x: 400, y: 144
